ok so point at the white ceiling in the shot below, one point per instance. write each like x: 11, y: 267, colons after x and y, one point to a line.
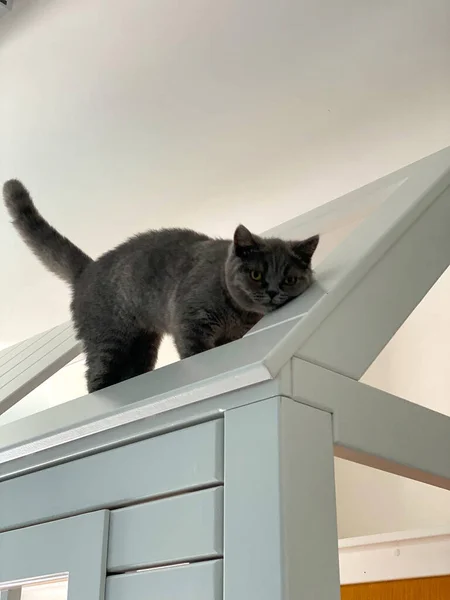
x: 204, y: 114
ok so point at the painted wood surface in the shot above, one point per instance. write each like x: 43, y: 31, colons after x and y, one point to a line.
x: 201, y: 581
x: 171, y: 530
x: 377, y: 429
x: 183, y: 460
x: 280, y: 535
x: 29, y: 363
x: 75, y: 546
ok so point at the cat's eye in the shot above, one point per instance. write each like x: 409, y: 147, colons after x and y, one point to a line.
x: 290, y: 280
x: 256, y: 275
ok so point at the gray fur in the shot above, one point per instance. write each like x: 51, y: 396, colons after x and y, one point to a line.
x: 56, y: 252
x: 200, y: 290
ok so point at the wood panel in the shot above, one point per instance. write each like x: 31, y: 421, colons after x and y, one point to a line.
x: 171, y: 530
x: 280, y: 539
x: 377, y: 429
x: 75, y: 546
x: 201, y: 581
x: 29, y: 363
x: 430, y: 588
x: 182, y: 460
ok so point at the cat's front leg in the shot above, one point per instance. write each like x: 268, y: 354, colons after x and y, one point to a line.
x: 196, y: 333
x: 194, y: 341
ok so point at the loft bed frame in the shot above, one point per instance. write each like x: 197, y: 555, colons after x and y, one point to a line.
x: 220, y: 467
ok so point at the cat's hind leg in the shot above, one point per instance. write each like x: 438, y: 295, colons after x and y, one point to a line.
x: 117, y: 358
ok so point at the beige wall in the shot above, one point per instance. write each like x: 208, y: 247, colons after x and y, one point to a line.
x: 206, y: 114
x: 415, y: 366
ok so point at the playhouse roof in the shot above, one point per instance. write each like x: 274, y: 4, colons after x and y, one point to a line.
x: 383, y: 246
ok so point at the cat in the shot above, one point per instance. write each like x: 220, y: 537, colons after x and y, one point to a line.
x: 204, y: 292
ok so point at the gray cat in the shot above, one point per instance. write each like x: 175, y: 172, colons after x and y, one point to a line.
x: 204, y: 292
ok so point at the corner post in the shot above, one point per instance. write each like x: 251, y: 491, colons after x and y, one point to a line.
x: 280, y: 533
x: 12, y: 594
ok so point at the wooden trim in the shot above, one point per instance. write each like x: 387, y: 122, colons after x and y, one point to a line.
x: 280, y: 533
x: 376, y: 429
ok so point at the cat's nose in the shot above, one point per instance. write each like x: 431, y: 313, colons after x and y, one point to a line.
x: 272, y: 294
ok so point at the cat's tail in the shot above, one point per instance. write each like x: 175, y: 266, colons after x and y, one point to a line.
x: 56, y: 252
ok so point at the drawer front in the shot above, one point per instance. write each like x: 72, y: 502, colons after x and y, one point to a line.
x: 201, y: 581
x: 170, y: 463
x: 172, y: 530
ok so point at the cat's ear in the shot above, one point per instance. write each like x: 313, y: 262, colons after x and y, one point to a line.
x: 245, y: 241
x: 305, y: 248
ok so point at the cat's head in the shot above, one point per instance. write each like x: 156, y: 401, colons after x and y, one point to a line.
x: 263, y: 274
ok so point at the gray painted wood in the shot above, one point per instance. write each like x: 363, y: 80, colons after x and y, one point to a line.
x: 202, y: 581
x: 398, y: 255
x: 9, y: 351
x: 184, y: 416
x: 234, y: 366
x: 75, y: 546
x: 378, y: 429
x: 13, y: 358
x: 171, y: 530
x: 12, y: 594
x: 372, y: 279
x: 182, y: 460
x: 280, y: 533
x: 27, y: 364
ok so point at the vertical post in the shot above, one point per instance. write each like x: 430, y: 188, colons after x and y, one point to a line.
x: 280, y: 533
x: 12, y: 594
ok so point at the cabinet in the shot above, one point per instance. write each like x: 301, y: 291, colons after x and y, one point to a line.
x: 69, y: 553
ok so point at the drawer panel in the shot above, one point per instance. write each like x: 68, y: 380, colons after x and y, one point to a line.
x: 169, y: 463
x: 171, y: 530
x: 202, y: 581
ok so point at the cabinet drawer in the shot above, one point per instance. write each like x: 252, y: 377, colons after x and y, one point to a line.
x: 201, y: 581
x: 166, y: 464
x: 171, y: 530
